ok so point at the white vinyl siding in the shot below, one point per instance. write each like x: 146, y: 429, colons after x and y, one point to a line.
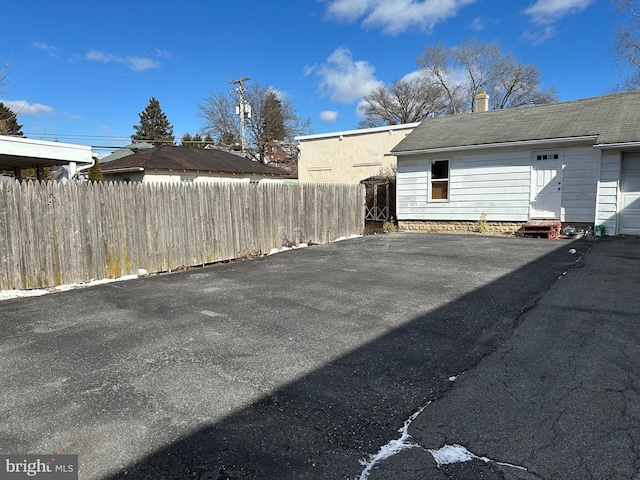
x: 496, y: 184
x: 580, y: 174
x: 607, y: 208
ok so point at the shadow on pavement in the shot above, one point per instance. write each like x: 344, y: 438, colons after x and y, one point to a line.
x: 320, y: 426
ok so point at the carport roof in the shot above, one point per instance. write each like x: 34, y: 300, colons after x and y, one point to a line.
x: 26, y: 152
x: 609, y: 119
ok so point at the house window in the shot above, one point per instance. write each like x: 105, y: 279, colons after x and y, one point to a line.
x: 547, y: 156
x: 439, y: 180
x: 187, y: 180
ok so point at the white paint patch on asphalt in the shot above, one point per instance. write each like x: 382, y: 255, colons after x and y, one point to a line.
x: 455, y: 453
x: 391, y: 448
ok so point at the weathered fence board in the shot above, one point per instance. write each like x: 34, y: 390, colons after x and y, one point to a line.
x: 55, y: 234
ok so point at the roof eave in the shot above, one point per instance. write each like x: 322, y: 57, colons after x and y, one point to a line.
x: 616, y: 146
x: 360, y: 131
x: 545, y: 141
x: 123, y: 170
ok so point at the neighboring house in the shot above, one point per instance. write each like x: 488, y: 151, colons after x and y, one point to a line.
x: 17, y: 153
x: 349, y: 156
x: 282, y: 155
x: 169, y: 164
x: 576, y: 162
x: 130, y: 149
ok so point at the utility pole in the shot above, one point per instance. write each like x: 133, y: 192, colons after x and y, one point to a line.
x: 241, y: 109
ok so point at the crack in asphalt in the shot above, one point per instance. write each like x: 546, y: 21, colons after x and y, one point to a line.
x: 396, y: 446
x: 393, y: 447
x: 456, y: 453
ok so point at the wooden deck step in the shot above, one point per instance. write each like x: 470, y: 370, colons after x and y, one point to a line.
x: 541, y: 229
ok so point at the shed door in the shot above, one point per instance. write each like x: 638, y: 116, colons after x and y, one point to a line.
x: 629, y: 214
x: 546, y: 189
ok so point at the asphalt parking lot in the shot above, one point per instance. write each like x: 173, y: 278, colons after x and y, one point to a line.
x: 306, y: 364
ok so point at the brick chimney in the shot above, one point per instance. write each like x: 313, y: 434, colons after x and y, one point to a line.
x: 482, y: 101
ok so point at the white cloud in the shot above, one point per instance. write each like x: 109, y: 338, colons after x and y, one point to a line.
x: 411, y: 76
x: 50, y: 49
x: 536, y: 37
x: 164, y: 54
x: 280, y: 95
x: 22, y: 107
x: 550, y: 11
x: 329, y: 116
x: 137, y: 64
x: 347, y: 80
x: 396, y: 16
x: 478, y: 24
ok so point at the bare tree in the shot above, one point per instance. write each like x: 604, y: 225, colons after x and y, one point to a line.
x: 4, y: 74
x: 436, y: 61
x: 475, y: 66
x: 627, y: 46
x: 220, y: 121
x: 218, y: 114
x: 518, y: 86
x: 483, y: 64
x: 404, y: 101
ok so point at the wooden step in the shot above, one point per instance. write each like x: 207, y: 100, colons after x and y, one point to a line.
x: 541, y: 228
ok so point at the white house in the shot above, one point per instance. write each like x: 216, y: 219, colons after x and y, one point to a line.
x: 577, y: 162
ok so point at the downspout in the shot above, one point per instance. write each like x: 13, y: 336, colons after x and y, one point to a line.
x: 74, y: 169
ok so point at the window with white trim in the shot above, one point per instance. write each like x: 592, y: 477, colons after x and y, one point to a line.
x: 439, y: 181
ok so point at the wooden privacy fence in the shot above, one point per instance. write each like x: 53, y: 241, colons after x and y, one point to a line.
x: 58, y: 234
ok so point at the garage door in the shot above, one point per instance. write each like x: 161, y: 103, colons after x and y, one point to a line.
x: 629, y: 214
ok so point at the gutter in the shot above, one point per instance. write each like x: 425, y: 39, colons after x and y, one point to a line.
x: 611, y: 146
x: 545, y: 141
x: 124, y: 170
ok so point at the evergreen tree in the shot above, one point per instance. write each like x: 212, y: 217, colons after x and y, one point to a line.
x: 227, y: 139
x: 9, y: 122
x: 196, y: 141
x: 94, y: 174
x: 273, y: 118
x: 154, y: 126
x: 186, y: 140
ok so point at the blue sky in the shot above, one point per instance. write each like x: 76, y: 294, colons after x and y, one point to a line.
x: 81, y: 72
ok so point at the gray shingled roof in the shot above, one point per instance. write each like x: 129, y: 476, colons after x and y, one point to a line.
x: 126, y: 150
x: 612, y: 118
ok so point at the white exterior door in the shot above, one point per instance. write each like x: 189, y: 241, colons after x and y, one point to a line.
x: 629, y: 212
x: 546, y: 184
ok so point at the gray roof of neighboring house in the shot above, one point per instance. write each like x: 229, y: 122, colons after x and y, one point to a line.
x: 611, y: 118
x: 126, y: 150
x: 166, y: 157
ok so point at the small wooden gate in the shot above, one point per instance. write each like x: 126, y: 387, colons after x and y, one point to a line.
x: 380, y: 199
